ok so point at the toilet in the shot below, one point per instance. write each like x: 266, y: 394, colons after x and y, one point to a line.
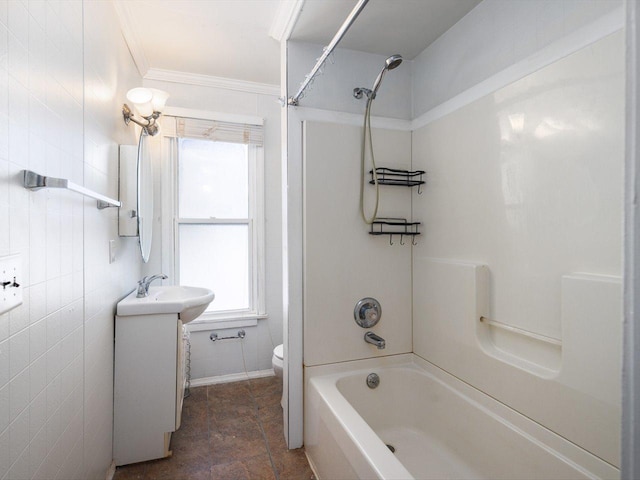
x: 277, y: 361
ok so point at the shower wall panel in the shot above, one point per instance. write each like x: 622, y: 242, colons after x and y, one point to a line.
x: 342, y: 262
x: 522, y: 216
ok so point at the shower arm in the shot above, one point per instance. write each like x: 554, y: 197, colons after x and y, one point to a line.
x: 328, y: 50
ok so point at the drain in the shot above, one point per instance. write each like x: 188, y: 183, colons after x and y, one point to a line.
x: 373, y: 380
x: 392, y: 448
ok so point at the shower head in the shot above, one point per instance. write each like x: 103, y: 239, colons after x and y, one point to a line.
x: 393, y: 61
x: 389, y: 64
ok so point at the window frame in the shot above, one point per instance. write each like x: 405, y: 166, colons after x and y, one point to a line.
x: 255, y: 222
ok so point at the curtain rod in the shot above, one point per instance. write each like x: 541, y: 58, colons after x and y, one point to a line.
x: 328, y: 50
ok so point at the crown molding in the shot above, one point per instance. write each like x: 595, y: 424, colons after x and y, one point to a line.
x: 170, y: 111
x: 285, y: 19
x: 131, y: 37
x: 210, y: 81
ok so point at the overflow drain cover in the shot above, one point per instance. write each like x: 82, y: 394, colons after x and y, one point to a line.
x: 373, y: 380
x: 392, y: 448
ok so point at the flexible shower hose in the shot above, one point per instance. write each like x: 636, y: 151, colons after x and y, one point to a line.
x: 367, y: 133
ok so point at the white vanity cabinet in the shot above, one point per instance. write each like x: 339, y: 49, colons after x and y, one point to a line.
x: 149, y: 385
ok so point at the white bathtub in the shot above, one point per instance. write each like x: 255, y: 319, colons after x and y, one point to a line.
x: 440, y: 427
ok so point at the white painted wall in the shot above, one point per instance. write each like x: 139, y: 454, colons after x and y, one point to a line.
x: 209, y: 359
x: 493, y: 36
x: 344, y: 71
x: 65, y: 74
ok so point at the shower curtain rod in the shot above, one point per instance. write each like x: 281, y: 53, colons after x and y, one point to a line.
x: 328, y: 50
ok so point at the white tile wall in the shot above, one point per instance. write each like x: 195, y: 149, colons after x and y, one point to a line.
x: 59, y: 116
x: 106, y: 84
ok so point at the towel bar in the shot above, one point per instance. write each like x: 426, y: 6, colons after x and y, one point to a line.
x: 214, y: 336
x: 34, y: 181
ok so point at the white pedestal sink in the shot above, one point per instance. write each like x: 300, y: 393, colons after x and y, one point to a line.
x: 149, y: 369
x: 187, y: 302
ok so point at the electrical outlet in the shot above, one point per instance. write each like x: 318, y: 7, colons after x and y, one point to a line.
x: 10, y: 282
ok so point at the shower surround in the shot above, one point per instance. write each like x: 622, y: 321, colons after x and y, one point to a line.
x: 521, y: 216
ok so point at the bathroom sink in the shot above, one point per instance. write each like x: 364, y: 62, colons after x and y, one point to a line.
x: 188, y: 302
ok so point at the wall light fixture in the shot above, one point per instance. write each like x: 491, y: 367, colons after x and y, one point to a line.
x: 149, y: 103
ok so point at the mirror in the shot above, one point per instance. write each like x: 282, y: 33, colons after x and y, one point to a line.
x: 145, y: 196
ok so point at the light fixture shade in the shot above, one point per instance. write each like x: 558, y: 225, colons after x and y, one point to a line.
x: 141, y: 98
x: 159, y: 99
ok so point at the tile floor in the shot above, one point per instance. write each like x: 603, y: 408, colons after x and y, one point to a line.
x: 231, y: 431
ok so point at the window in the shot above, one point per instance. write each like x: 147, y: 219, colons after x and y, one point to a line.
x: 218, y: 214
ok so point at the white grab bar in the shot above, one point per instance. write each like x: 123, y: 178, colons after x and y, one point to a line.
x: 521, y: 331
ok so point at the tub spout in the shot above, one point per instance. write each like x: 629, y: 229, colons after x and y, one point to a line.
x: 374, y: 339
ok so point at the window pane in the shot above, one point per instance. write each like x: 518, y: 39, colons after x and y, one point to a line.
x: 217, y: 257
x: 213, y: 179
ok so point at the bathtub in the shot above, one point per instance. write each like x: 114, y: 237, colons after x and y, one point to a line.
x: 439, y: 427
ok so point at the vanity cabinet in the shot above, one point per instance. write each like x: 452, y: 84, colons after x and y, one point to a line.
x: 149, y: 382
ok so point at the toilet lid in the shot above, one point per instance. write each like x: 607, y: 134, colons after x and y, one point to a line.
x: 279, y: 352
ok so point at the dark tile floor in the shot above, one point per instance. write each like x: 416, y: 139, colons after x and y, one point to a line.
x: 231, y: 431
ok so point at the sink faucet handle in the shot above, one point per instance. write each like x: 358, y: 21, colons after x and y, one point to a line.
x: 143, y: 285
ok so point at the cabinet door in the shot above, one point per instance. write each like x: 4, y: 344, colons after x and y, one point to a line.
x: 145, y: 386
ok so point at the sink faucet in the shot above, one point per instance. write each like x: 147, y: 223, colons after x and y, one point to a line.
x: 374, y: 339
x: 143, y: 285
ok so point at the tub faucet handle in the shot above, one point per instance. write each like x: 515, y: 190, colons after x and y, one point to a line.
x: 367, y: 312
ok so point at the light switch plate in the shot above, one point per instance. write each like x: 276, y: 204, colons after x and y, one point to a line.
x: 112, y: 251
x: 10, y: 282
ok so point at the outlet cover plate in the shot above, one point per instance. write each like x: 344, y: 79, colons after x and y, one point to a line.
x: 10, y: 271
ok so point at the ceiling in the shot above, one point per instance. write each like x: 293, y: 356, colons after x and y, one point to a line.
x: 231, y: 38
x: 384, y: 27
x: 218, y: 38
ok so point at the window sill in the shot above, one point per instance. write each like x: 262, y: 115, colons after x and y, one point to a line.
x: 215, y: 322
